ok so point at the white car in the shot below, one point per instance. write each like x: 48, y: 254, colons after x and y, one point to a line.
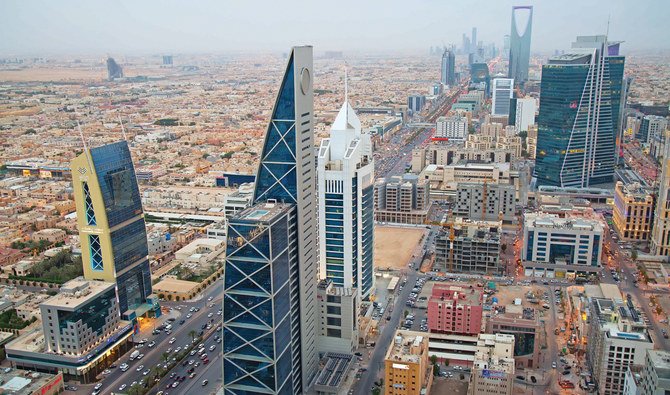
x: 139, y: 368
x: 122, y: 387
x: 172, y: 340
x: 212, y: 347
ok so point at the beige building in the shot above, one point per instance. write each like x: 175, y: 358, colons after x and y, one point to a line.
x: 338, y: 326
x: 660, y: 239
x: 49, y: 235
x: 633, y: 211
x: 493, y: 368
x: 407, y: 370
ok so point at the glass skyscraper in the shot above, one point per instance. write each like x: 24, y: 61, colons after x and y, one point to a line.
x: 448, y: 68
x: 580, y: 106
x: 519, y: 45
x: 269, y: 305
x: 111, y: 225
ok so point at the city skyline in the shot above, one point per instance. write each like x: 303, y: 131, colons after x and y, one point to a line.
x: 39, y: 27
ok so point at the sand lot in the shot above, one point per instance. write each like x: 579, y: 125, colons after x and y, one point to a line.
x: 394, y: 245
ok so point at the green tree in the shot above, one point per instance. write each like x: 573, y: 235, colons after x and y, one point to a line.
x: 166, y: 356
x: 135, y: 389
x: 446, y: 362
x: 633, y: 254
x: 192, y: 333
x: 436, y: 370
x: 433, y: 359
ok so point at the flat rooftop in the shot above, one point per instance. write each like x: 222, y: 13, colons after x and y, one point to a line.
x: 19, y: 381
x: 175, y: 286
x: 661, y: 361
x: 77, y: 292
x: 334, y: 370
x: 402, y: 345
x: 261, y: 212
x: 467, y: 296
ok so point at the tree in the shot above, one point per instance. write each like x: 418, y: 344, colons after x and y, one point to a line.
x: 436, y: 370
x: 503, y: 247
x: 633, y: 254
x: 135, y: 389
x: 433, y: 359
x: 446, y: 362
x: 192, y: 333
x: 166, y: 356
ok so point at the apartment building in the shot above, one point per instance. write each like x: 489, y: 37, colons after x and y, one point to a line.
x: 454, y: 310
x: 633, y: 211
x: 401, y: 199
x: 493, y: 368
x: 338, y: 313
x: 485, y: 201
x: 407, y: 370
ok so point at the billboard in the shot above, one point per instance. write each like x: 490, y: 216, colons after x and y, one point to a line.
x: 493, y: 374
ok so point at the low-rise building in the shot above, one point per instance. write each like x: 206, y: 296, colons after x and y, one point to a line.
x: 49, y: 235
x: 485, y: 201
x: 27, y: 382
x: 526, y: 330
x: 493, y: 368
x: 633, y: 211
x: 469, y: 247
x: 407, y: 370
x: 454, y: 310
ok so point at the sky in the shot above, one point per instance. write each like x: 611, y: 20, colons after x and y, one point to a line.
x: 47, y: 27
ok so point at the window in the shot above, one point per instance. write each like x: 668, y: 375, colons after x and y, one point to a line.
x: 95, y: 252
x: 88, y: 206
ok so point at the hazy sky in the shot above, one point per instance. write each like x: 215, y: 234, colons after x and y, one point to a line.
x: 158, y: 26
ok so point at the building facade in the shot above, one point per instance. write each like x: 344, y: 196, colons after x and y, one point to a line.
x: 526, y: 330
x: 454, y: 128
x: 519, y: 51
x: 407, y: 370
x: 502, y: 92
x: 660, y: 232
x: 111, y: 226
x: 415, y: 103
x: 346, y: 205
x: 579, y: 115
x: 485, y: 201
x: 470, y: 247
x: 338, y: 323
x: 525, y: 113
x: 403, y: 199
x: 448, y: 68
x: 269, y: 306
x: 651, y: 126
x: 633, y: 211
x: 655, y: 374
x: 454, y: 310
x: 493, y: 368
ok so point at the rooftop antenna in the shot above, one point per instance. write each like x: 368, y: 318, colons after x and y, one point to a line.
x: 123, y: 130
x: 346, y: 84
x: 81, y: 134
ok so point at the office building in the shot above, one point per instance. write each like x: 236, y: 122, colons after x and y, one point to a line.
x: 415, y: 103
x: 485, y: 201
x: 407, y: 370
x: 453, y: 128
x: 454, y: 310
x: 111, y: 226
x: 651, y: 126
x: 270, y: 297
x: 617, y: 338
x: 526, y: 329
x: 660, y: 233
x: 502, y: 92
x: 403, y: 199
x: 525, y: 113
x: 114, y: 70
x: 474, y: 42
x: 346, y: 205
x: 493, y: 368
x: 469, y: 247
x: 579, y: 115
x: 655, y: 373
x: 338, y: 318
x: 332, y: 379
x: 448, y: 68
x: 519, y: 51
x: 561, y: 247
x: 633, y: 211
x: 480, y: 78
x: 82, y: 333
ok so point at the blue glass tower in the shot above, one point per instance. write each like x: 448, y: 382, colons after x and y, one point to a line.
x: 519, y: 50
x: 580, y: 107
x: 448, y: 69
x: 269, y: 305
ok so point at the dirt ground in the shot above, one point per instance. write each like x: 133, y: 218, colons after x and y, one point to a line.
x: 450, y: 386
x: 394, y: 245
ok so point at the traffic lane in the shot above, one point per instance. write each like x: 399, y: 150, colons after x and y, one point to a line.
x: 212, y: 373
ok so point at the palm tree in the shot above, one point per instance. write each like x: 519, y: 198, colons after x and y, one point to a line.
x: 157, y: 371
x: 192, y: 333
x: 166, y: 356
x: 135, y: 389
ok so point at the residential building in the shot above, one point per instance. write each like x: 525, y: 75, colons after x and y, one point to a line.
x: 655, y: 374
x: 617, y: 338
x: 346, y: 205
x: 446, y: 155
x: 469, y: 247
x: 111, y: 226
x: 526, y: 329
x: 454, y: 128
x: 407, y: 370
x: 493, y: 368
x: 561, y: 247
x: 502, y: 92
x: 270, y: 292
x: 338, y: 318
x: 82, y: 332
x: 485, y: 201
x: 633, y: 211
x: 651, y: 126
x: 52, y: 236
x: 401, y: 199
x: 448, y: 68
x: 493, y: 129
x: 519, y: 52
x: 577, y: 127
x: 660, y: 233
x: 454, y: 310
x: 525, y: 113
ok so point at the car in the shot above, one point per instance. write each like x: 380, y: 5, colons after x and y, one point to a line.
x: 139, y: 368
x: 204, y: 382
x: 553, y: 365
x: 172, y: 340
x: 191, y: 370
x: 206, y: 361
x: 212, y: 347
x: 173, y: 375
x: 106, y: 372
x: 196, y: 364
x: 192, y: 375
x: 358, y: 354
x: 193, y: 352
x: 176, y: 351
x: 122, y: 387
x: 146, y: 372
x: 140, y: 356
x: 181, y: 322
x: 175, y: 384
x: 151, y: 344
x: 210, y: 315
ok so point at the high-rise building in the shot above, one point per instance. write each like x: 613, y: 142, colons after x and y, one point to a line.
x: 448, y: 68
x: 113, y: 69
x: 633, y: 211
x: 453, y: 128
x: 579, y: 111
x: 474, y: 45
x: 650, y: 127
x: 415, y: 103
x: 524, y: 114
x: 660, y: 232
x: 270, y: 282
x: 111, y: 225
x: 519, y: 50
x: 502, y: 92
x: 346, y: 204
x: 167, y: 60
x: 474, y: 247
x: 505, y: 51
x: 480, y: 77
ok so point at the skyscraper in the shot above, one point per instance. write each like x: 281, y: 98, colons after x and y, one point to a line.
x: 519, y: 52
x: 346, y: 204
x: 503, y: 90
x: 580, y: 103
x: 269, y: 306
x: 660, y: 232
x: 448, y: 69
x: 111, y: 225
x: 474, y: 45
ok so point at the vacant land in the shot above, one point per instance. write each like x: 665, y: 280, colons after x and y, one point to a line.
x: 394, y: 245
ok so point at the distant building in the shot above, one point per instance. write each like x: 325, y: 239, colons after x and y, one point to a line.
x: 561, y: 247
x: 480, y: 77
x: 493, y: 368
x: 113, y: 70
x: 474, y: 248
x: 502, y: 93
x: 633, y: 211
x: 415, y: 103
x: 454, y: 128
x: 455, y: 310
x: 407, y: 370
x: 519, y: 52
x: 525, y: 113
x: 651, y: 126
x: 338, y: 318
x: 167, y: 60
x: 486, y: 201
x: 448, y: 68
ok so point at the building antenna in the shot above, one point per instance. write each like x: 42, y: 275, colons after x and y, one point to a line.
x: 346, y: 84
x: 608, y: 27
x: 81, y: 134
x: 123, y: 130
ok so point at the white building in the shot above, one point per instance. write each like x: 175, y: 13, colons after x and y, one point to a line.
x: 346, y: 204
x: 655, y: 374
x: 561, y: 247
x: 525, y: 113
x: 493, y: 367
x: 452, y: 128
x: 502, y: 92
